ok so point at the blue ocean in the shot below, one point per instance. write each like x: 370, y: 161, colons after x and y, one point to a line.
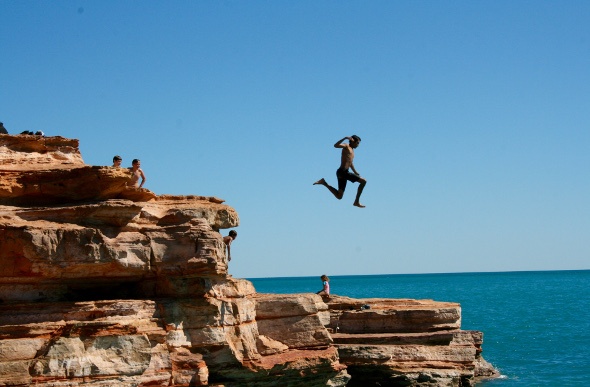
x: 536, y: 325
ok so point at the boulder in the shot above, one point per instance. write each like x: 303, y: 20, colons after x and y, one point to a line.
x: 406, y: 343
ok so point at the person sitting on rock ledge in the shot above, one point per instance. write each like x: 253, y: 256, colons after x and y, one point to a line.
x: 137, y: 173
x: 325, y: 292
x: 3, y: 129
x: 228, y: 240
x: 117, y: 160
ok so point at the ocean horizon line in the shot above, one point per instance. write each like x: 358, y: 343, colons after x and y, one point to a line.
x: 417, y: 274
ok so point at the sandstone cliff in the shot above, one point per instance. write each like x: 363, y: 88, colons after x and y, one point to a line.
x: 102, y: 284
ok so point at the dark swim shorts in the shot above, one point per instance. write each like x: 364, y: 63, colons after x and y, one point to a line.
x: 345, y: 175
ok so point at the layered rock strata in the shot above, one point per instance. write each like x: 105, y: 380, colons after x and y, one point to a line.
x: 406, y: 343
x: 104, y: 284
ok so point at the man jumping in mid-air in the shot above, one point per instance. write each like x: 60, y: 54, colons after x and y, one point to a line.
x: 343, y: 174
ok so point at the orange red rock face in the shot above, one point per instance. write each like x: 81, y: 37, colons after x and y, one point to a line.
x: 106, y: 284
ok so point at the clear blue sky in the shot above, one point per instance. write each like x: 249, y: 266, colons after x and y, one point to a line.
x: 474, y: 118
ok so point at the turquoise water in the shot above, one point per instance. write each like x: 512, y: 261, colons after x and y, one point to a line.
x: 536, y: 325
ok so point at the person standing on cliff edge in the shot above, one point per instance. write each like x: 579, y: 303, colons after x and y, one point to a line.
x: 137, y: 173
x: 343, y: 174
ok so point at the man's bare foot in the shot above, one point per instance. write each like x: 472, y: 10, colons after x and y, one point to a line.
x: 320, y: 181
x: 358, y: 205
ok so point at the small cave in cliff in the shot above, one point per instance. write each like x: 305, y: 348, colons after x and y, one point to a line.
x: 113, y: 290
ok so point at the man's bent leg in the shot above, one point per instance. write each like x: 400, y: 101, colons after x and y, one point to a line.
x: 337, y: 193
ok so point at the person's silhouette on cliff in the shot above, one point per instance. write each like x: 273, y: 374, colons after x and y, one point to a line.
x: 3, y: 129
x: 228, y: 240
x: 343, y: 174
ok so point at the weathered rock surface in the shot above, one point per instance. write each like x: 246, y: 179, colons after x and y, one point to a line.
x: 157, y: 248
x: 37, y: 170
x: 406, y: 343
x: 102, y: 284
x: 25, y: 151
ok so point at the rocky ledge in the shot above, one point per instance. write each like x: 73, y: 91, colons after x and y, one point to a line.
x: 103, y: 284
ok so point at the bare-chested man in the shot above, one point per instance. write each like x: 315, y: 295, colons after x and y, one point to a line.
x: 343, y: 174
x: 137, y: 173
